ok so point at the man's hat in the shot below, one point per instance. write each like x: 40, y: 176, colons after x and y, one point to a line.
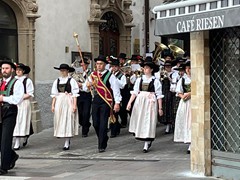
x: 149, y: 62
x: 101, y: 58
x: 122, y: 55
x: 85, y: 60
x: 136, y: 58
x: 167, y: 63
x: 115, y: 62
x: 65, y: 66
x: 26, y: 69
x: 8, y: 62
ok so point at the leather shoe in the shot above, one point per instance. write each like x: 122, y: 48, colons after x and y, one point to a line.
x: 113, y: 136
x: 66, y: 148
x: 12, y: 165
x: 25, y: 142
x: 16, y: 148
x: 145, y: 150
x: 101, y: 150
x: 150, y: 144
x: 188, y: 151
x: 2, y: 171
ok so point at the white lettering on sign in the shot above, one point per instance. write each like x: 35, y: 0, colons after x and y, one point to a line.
x: 200, y: 24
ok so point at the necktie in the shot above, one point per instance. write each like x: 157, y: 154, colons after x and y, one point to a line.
x: 3, y: 86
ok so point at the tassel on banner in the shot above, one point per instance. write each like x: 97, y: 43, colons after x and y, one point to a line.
x: 112, y: 118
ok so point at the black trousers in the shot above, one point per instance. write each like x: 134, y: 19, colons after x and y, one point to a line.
x: 123, y: 113
x: 84, y: 103
x: 115, y: 127
x: 9, y: 114
x: 100, y: 115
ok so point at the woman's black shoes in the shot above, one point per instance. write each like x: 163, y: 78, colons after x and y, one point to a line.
x: 25, y: 142
x: 66, y: 148
x: 16, y: 148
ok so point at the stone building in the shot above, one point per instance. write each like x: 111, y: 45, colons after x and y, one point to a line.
x: 40, y: 33
x: 212, y: 30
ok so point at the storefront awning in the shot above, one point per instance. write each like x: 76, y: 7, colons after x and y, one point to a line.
x: 191, y: 15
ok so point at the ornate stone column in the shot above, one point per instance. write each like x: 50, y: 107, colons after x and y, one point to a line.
x: 26, y: 15
x: 94, y: 22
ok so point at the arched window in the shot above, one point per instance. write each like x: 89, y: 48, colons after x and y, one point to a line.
x: 8, y: 33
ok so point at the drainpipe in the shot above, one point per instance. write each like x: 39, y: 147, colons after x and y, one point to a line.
x: 146, y: 5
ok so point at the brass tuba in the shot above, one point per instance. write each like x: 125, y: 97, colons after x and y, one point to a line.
x: 159, y: 47
x: 176, y: 51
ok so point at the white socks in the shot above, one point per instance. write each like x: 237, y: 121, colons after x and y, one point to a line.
x: 17, y: 143
x: 167, y: 128
x: 189, y: 147
x: 146, y: 144
x: 67, y: 142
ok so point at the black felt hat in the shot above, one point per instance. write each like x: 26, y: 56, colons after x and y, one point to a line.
x: 26, y: 69
x: 167, y: 63
x: 65, y: 66
x: 149, y: 62
x: 8, y: 62
x: 101, y: 58
x: 115, y: 62
x: 122, y: 55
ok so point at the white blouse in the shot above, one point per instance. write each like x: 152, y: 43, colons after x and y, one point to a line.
x: 122, y: 81
x: 63, y: 80
x: 157, y: 86
x: 179, y: 88
x: 29, y: 85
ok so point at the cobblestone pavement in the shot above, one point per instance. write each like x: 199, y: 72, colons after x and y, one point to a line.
x: 43, y: 158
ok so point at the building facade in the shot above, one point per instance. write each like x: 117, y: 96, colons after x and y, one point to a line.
x: 214, y: 42
x: 39, y: 33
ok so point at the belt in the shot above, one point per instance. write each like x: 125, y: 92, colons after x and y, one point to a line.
x: 5, y: 104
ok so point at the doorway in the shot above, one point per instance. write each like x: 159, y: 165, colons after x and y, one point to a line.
x: 8, y: 33
x: 109, y: 36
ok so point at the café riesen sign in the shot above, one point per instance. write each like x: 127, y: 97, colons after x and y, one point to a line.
x: 213, y: 22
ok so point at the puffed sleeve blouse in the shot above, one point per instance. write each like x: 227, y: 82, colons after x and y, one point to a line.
x: 63, y: 80
x: 157, y: 86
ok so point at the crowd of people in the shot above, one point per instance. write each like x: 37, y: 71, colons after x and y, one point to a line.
x: 120, y: 92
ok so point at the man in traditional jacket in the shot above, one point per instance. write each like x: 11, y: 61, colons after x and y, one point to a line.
x: 84, y: 101
x: 106, y: 90
x: 11, y: 93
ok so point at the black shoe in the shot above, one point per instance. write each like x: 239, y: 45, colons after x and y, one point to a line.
x: 101, y: 150
x: 25, y: 142
x: 123, y: 126
x: 2, y: 171
x: 12, y: 165
x: 113, y: 136
x: 150, y: 144
x: 66, y: 148
x: 16, y: 148
x: 145, y: 150
x: 84, y: 135
x: 188, y: 151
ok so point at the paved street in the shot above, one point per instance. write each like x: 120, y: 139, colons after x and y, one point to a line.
x: 43, y: 158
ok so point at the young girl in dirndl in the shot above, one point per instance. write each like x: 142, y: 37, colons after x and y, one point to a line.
x: 148, y: 93
x: 23, y: 121
x: 64, y: 105
x: 182, y: 131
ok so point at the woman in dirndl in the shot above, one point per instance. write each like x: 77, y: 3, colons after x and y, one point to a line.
x: 183, y: 120
x: 64, y: 105
x: 23, y: 121
x: 148, y: 93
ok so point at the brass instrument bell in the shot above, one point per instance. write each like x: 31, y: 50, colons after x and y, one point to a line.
x: 176, y: 51
x: 159, y: 47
